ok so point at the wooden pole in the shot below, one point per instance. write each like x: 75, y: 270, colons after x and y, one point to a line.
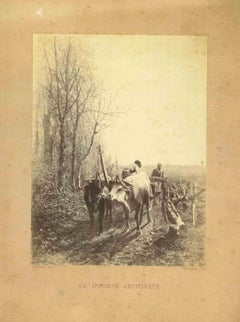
x: 103, y: 166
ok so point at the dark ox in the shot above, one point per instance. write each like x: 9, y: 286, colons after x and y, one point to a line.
x: 96, y: 197
x: 133, y: 194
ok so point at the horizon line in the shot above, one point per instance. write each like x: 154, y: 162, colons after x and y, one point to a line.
x: 171, y: 164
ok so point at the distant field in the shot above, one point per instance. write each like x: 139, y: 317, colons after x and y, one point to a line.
x: 183, y: 171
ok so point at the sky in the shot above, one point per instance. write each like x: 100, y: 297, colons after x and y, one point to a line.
x: 161, y: 84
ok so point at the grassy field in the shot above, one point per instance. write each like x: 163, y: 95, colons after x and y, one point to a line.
x: 60, y: 231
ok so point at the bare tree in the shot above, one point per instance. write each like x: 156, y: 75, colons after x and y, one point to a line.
x: 63, y: 93
x: 77, y: 109
x: 97, y: 118
x: 85, y: 91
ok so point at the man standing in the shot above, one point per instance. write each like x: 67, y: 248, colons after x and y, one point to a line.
x: 157, y: 173
x: 157, y: 178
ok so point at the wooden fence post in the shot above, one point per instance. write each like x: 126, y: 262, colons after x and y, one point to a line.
x: 194, y: 203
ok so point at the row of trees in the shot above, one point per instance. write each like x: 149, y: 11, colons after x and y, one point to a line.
x: 72, y: 109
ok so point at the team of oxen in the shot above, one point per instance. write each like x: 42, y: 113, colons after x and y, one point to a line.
x: 134, y: 193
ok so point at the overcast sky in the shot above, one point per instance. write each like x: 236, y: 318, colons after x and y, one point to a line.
x: 162, y: 83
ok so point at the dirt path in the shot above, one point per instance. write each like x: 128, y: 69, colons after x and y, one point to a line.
x: 75, y: 244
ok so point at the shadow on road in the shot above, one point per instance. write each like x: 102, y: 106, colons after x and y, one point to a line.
x: 100, y: 249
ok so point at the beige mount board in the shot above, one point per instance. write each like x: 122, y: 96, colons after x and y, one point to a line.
x: 62, y: 292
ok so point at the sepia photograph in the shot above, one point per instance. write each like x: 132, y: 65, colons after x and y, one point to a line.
x: 119, y: 150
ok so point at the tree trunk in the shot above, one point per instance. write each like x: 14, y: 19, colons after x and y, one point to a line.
x: 51, y: 144
x: 47, y: 138
x: 61, y: 155
x: 37, y: 139
x: 73, y: 162
x: 87, y: 153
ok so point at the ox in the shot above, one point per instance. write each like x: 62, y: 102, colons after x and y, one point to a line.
x: 96, y: 197
x: 133, y: 193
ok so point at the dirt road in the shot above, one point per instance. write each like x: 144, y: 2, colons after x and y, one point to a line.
x: 68, y: 239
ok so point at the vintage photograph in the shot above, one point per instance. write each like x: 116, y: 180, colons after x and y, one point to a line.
x: 119, y: 150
